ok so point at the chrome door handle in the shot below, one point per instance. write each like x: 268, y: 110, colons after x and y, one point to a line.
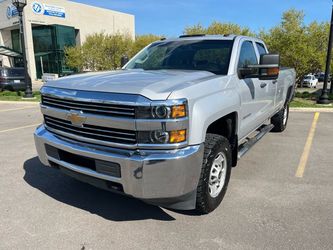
x: 263, y: 85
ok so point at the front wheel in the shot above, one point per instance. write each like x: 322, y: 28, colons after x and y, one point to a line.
x: 280, y: 119
x: 215, y: 173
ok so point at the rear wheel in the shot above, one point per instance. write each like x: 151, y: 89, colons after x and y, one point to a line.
x: 280, y: 119
x: 215, y: 173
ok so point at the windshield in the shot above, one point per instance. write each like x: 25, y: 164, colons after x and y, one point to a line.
x: 307, y: 78
x: 208, y: 55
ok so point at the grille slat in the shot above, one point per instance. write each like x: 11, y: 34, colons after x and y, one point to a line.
x: 91, y: 131
x: 87, y: 126
x: 90, y: 107
x: 96, y: 105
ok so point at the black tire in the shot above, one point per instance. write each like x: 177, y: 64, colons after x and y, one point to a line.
x: 214, y: 145
x: 279, y: 121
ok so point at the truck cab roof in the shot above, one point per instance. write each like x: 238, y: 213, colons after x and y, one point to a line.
x: 200, y: 37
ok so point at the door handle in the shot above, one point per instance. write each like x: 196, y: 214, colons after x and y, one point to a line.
x: 274, y: 81
x: 263, y: 85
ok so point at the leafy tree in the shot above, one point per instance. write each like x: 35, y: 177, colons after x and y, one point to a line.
x: 74, y: 57
x: 114, y: 47
x: 217, y: 28
x: 195, y: 29
x: 301, y: 47
x: 99, y: 52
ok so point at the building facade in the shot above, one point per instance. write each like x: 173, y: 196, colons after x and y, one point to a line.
x: 51, y: 25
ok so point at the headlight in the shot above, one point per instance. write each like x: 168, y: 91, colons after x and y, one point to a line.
x: 159, y: 110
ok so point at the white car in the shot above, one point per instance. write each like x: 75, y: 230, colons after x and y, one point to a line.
x: 310, y: 81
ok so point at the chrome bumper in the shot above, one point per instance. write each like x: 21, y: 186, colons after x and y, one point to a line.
x: 145, y: 174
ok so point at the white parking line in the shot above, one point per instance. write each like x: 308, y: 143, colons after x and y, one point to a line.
x: 15, y: 109
x: 23, y: 127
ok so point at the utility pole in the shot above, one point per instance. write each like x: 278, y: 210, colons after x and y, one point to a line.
x: 20, y: 4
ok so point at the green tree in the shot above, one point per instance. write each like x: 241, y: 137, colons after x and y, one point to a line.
x: 195, y: 29
x: 301, y: 47
x: 114, y: 47
x: 99, y: 52
x: 74, y: 57
x: 218, y: 28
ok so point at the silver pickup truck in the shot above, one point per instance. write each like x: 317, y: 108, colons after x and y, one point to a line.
x: 169, y: 126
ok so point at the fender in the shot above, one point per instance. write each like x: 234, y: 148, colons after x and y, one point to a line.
x: 208, y: 101
x: 202, y: 116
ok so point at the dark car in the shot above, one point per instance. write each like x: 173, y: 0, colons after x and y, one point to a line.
x: 321, y: 77
x: 12, y: 79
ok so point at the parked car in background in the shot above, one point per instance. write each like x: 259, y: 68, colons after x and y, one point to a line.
x: 309, y: 81
x: 12, y: 79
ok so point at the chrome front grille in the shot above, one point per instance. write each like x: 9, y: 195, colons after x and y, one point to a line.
x: 97, y: 108
x: 64, y: 127
x: 105, y: 118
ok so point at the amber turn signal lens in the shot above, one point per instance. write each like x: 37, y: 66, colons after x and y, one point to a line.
x: 273, y: 71
x: 178, y: 111
x: 177, y: 136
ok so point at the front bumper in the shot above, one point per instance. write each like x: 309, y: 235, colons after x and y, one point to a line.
x: 162, y: 177
x: 10, y: 85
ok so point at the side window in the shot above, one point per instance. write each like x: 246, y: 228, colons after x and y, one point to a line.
x: 247, y: 55
x: 261, y: 49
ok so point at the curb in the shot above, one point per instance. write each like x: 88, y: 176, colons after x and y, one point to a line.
x: 312, y: 110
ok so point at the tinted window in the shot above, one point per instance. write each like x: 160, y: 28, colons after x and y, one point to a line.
x: 247, y: 55
x: 207, y: 55
x: 261, y: 49
x: 15, y: 72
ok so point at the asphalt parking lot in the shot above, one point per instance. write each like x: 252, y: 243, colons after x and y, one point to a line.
x: 280, y: 197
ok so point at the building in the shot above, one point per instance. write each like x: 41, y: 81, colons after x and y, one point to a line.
x: 49, y: 26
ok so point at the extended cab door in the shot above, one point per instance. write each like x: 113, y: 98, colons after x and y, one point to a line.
x: 257, y: 96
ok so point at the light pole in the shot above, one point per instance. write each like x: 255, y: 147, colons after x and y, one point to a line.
x: 20, y: 4
x: 323, y: 99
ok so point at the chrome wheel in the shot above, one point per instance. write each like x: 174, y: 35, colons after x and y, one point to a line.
x: 285, y: 115
x: 217, y: 175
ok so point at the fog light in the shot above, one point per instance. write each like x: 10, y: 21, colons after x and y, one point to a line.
x: 159, y: 137
x: 177, y: 136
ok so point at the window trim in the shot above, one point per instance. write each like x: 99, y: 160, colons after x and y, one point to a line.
x: 240, y: 48
x: 263, y: 45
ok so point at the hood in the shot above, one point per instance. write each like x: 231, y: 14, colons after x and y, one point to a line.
x: 153, y: 84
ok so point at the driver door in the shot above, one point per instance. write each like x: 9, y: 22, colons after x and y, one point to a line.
x: 252, y: 93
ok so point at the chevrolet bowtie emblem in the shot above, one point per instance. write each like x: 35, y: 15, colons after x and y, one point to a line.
x: 76, y: 118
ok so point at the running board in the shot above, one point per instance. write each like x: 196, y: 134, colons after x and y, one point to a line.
x: 246, y: 146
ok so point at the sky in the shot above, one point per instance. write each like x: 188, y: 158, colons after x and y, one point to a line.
x: 169, y: 18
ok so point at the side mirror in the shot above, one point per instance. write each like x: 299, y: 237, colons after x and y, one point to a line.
x: 124, y: 59
x: 268, y: 69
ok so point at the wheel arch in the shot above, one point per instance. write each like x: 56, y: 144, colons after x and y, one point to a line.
x: 227, y: 126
